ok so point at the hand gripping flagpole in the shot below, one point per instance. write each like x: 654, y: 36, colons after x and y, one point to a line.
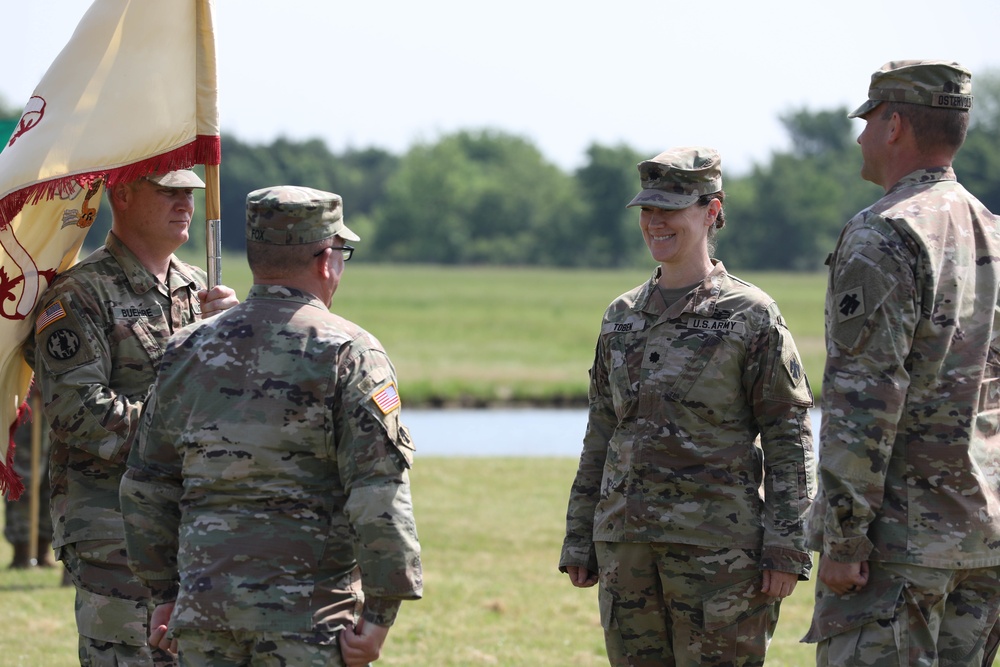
x: 213, y: 225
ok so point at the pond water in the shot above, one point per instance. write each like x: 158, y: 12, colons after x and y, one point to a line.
x: 507, y: 432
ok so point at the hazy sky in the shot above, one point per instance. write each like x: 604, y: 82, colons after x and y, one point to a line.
x: 563, y: 74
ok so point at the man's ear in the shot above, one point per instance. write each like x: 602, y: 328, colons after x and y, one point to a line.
x: 894, y: 131
x: 322, y: 265
x: 119, y: 194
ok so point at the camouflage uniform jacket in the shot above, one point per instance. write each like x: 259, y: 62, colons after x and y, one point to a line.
x: 99, y: 336
x: 271, y: 472
x: 910, y: 451
x: 678, y: 397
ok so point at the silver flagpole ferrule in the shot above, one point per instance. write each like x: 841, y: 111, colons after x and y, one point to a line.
x: 213, y: 244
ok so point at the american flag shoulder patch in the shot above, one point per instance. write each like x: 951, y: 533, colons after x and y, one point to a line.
x: 51, y: 314
x: 387, y: 398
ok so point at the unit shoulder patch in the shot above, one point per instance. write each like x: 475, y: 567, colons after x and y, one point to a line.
x: 849, y: 304
x: 63, y: 346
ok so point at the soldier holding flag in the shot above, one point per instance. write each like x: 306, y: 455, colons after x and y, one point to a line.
x: 128, y: 106
x: 98, y: 339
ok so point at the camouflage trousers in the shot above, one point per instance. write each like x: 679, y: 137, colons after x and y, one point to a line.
x: 908, y: 615
x: 239, y: 648
x: 673, y: 604
x: 112, y: 607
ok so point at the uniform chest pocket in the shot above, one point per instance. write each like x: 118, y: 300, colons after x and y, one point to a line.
x: 132, y: 341
x: 701, y: 371
x: 624, y: 354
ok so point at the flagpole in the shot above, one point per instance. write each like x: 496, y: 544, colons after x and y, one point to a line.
x: 213, y: 225
x: 34, y: 502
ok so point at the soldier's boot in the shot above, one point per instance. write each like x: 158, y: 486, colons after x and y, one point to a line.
x: 22, y: 558
x: 45, y: 554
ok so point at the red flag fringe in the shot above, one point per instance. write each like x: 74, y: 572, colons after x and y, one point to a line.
x: 205, y: 149
x: 10, y: 483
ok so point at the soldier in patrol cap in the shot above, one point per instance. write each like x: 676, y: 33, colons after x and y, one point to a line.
x: 99, y: 334
x: 697, y: 399
x: 907, y: 520
x: 286, y: 419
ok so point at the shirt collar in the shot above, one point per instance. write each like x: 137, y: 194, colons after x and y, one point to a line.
x: 139, y: 277
x: 699, y: 301
x: 923, y: 177
x: 285, y: 293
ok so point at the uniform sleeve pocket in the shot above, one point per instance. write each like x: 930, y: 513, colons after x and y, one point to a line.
x: 869, y: 281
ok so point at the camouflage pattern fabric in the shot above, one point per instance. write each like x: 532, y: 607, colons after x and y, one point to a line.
x: 112, y: 607
x: 270, y: 471
x: 676, y: 178
x: 99, y: 335
x: 101, y: 329
x: 910, y: 450
x: 910, y: 455
x: 293, y: 215
x: 243, y: 647
x: 933, y: 83
x: 17, y: 516
x: 678, y: 398
x: 909, y: 615
x: 718, y: 616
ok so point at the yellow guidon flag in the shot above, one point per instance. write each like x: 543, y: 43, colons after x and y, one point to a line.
x: 133, y: 92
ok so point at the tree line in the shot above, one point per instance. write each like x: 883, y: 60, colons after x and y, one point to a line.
x: 490, y: 197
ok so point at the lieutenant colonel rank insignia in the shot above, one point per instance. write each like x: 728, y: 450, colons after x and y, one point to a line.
x: 387, y: 398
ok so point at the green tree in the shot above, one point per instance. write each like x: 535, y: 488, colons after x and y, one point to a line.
x: 787, y: 215
x: 818, y: 133
x: 359, y: 176
x: 977, y: 165
x: 483, y: 197
x: 607, y: 234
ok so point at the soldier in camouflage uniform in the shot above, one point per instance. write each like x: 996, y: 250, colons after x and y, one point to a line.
x: 99, y: 335
x: 908, y: 513
x: 17, y: 516
x: 697, y: 468
x: 267, y: 502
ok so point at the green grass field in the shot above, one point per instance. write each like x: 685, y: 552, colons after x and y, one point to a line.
x: 490, y: 529
x: 482, y: 335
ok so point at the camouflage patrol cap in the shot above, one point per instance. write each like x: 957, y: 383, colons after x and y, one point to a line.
x: 678, y: 177
x: 292, y: 215
x: 181, y: 178
x: 933, y: 83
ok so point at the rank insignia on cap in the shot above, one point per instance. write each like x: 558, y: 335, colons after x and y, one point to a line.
x: 387, y: 398
x: 49, y: 315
